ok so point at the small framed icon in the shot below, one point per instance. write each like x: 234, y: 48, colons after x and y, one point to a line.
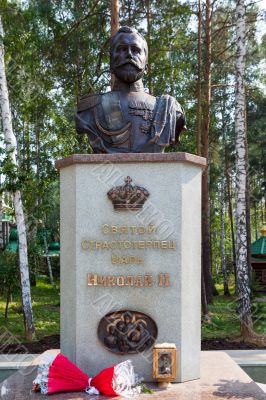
x: 164, y: 362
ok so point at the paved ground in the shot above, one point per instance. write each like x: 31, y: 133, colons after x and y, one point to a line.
x: 221, y: 378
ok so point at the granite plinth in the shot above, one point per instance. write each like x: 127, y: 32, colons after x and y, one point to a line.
x: 131, y: 158
x: 221, y: 378
x: 173, y: 181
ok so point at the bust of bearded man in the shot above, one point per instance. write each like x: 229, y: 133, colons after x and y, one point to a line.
x: 127, y: 119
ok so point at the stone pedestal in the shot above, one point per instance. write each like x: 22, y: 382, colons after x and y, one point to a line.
x: 145, y: 260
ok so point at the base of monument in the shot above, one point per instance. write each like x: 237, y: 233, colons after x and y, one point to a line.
x: 220, y: 378
x: 135, y: 271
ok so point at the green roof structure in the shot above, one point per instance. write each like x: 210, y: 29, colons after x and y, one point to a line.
x: 258, y: 248
x: 53, y: 250
x: 53, y: 247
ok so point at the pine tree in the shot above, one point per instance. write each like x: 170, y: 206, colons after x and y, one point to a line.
x: 206, y: 119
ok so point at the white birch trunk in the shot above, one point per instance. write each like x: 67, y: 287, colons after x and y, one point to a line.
x: 11, y: 147
x: 241, y: 233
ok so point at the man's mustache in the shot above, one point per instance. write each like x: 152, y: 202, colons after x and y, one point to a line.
x: 132, y: 62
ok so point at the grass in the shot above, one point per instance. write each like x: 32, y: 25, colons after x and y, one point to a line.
x: 224, y: 317
x: 46, y: 309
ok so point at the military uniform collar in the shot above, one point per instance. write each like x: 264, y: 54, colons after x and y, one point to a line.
x: 125, y: 87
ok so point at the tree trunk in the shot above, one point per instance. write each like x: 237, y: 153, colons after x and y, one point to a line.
x: 206, y: 244
x: 79, y: 73
x: 223, y: 258
x: 204, y: 304
x: 223, y: 199
x: 149, y: 72
x: 248, y: 226
x: 114, y: 25
x: 243, y: 289
x: 199, y: 121
x: 8, y: 297
x: 256, y: 220
x: 114, y: 16
x: 230, y: 211
x: 11, y: 147
x: 24, y: 266
x: 48, y: 262
x: 1, y: 223
x: 248, y: 207
x: 78, y: 55
x: 262, y: 218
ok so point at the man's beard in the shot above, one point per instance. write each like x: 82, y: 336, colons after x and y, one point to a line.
x: 128, y: 72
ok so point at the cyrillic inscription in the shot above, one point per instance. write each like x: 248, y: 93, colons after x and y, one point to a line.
x: 92, y: 245
x: 147, y: 280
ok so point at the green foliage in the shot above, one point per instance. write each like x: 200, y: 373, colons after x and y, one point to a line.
x: 56, y: 51
x: 9, y: 276
x: 259, y: 315
x: 224, y: 315
x: 46, y: 310
x: 8, y: 271
x: 257, y: 155
x: 255, y: 285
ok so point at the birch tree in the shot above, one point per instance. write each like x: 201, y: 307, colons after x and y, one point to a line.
x: 242, y: 273
x: 11, y: 148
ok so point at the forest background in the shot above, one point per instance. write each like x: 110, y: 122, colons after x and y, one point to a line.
x: 58, y: 50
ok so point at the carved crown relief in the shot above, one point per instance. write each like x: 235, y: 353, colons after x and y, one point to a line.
x: 127, y: 196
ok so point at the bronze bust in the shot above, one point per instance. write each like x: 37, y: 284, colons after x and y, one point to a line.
x: 127, y: 119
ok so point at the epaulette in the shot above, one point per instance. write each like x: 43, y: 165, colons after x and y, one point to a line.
x: 88, y: 101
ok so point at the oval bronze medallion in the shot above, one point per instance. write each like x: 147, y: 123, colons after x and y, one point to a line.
x: 127, y: 332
